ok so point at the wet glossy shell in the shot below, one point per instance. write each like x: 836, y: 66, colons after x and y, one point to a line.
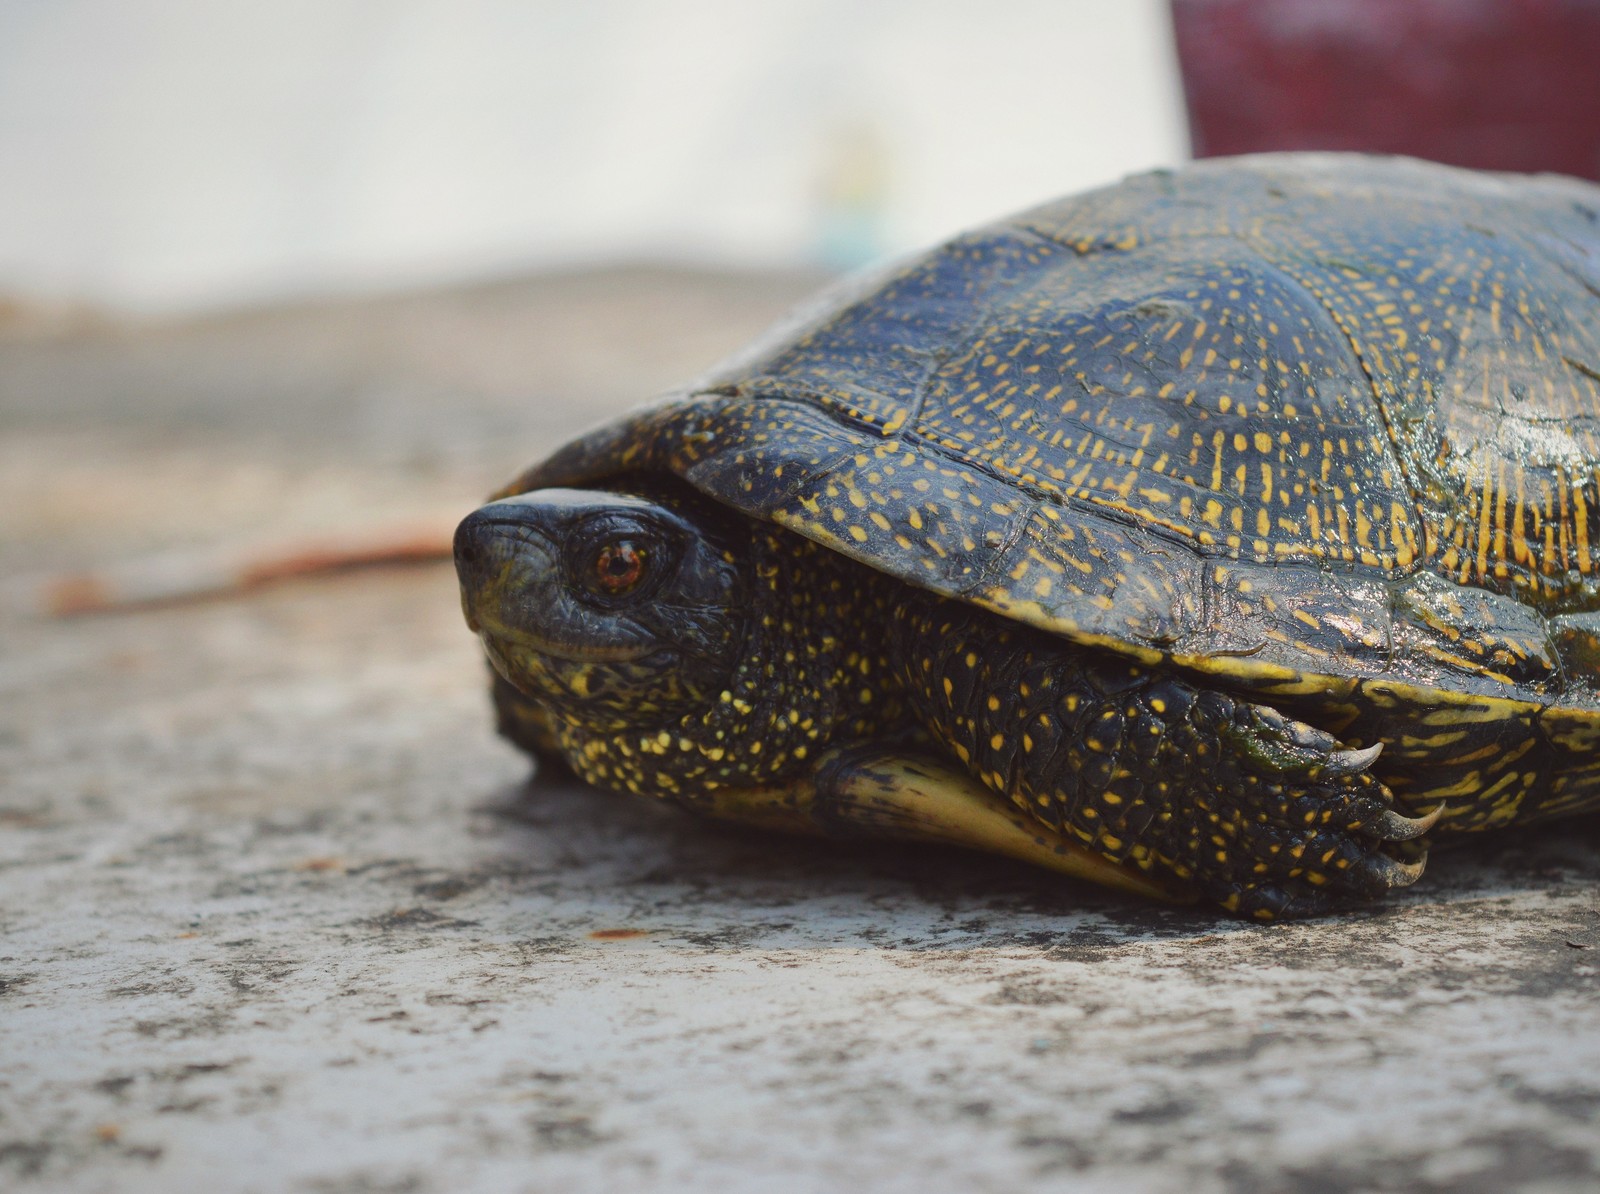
x: 1288, y: 420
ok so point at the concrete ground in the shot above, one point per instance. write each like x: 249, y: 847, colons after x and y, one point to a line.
x: 279, y: 913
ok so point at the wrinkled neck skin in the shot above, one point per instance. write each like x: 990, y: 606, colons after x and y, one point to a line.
x: 812, y: 670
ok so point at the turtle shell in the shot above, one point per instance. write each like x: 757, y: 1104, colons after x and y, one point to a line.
x: 1298, y: 421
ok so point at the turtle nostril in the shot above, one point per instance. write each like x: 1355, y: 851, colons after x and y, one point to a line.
x: 474, y: 555
x: 473, y: 545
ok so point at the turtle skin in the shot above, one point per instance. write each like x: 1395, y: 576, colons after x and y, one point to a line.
x: 1314, y: 435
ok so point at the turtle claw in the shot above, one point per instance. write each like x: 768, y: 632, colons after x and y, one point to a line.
x: 1391, y: 873
x: 1338, y: 819
x: 1368, y: 879
x: 1341, y: 763
x: 1395, y: 827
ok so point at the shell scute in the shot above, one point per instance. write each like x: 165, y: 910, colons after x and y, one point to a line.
x: 1198, y: 390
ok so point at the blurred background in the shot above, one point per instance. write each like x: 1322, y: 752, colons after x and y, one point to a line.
x: 176, y: 154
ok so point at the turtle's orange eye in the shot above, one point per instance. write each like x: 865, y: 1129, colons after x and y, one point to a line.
x: 619, y: 566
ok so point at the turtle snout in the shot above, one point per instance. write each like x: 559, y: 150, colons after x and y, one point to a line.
x: 499, y: 557
x: 473, y: 550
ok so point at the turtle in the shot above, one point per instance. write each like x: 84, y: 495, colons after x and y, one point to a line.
x: 1222, y: 534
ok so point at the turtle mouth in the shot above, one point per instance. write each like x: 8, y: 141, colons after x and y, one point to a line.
x: 566, y: 650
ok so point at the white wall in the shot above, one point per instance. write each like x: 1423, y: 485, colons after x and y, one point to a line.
x: 180, y: 153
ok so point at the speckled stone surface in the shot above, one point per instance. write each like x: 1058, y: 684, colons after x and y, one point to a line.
x: 279, y: 913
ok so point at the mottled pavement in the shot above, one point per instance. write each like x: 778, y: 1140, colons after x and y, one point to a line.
x: 277, y: 912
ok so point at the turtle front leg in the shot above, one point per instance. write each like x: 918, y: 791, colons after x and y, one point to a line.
x: 1269, y: 816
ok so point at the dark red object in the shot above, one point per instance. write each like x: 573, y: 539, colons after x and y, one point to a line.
x: 1496, y: 84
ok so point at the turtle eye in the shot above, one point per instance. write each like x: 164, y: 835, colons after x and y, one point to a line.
x: 619, y: 566
x: 613, y: 562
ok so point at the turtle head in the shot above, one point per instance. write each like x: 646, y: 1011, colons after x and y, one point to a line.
x: 605, y: 606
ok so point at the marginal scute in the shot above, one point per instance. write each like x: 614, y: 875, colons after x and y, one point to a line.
x: 1103, y: 579
x: 781, y: 449
x: 1576, y: 641
x: 1460, y: 630
x: 1316, y: 621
